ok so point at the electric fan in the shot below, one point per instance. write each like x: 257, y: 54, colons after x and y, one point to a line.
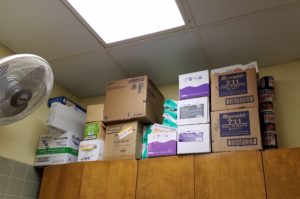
x: 25, y: 82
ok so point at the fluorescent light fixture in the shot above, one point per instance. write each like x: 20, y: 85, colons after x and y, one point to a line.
x: 117, y: 20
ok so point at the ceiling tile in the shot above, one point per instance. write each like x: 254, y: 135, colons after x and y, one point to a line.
x: 208, y: 11
x: 46, y: 28
x: 270, y: 38
x: 162, y: 58
x: 86, y: 75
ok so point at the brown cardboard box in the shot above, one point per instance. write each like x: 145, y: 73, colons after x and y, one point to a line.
x: 123, y: 141
x: 94, y: 113
x: 234, y: 90
x: 236, y: 130
x: 133, y: 98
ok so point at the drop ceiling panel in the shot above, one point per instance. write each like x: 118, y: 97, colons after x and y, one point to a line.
x: 163, y: 58
x: 270, y: 38
x: 208, y: 11
x: 46, y: 28
x: 86, y: 75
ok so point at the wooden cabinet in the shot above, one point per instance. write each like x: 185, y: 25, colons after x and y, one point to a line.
x: 250, y: 174
x: 166, y: 178
x: 61, y: 182
x: 282, y: 173
x: 109, y: 180
x: 229, y: 175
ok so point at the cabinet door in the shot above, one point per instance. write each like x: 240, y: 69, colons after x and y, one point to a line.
x: 166, y: 177
x: 61, y: 181
x: 109, y: 180
x: 282, y: 173
x: 94, y: 180
x: 229, y: 175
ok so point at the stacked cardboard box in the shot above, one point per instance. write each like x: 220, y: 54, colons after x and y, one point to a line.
x: 193, y: 113
x: 129, y: 104
x: 92, y: 146
x: 65, y: 126
x: 235, y: 120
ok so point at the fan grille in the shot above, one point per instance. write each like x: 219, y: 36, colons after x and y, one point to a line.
x: 18, y: 73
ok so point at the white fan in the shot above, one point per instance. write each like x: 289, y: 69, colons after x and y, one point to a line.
x: 25, y: 82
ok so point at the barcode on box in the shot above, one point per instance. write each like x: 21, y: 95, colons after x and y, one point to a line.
x: 192, y: 111
x: 242, y: 142
x: 239, y: 100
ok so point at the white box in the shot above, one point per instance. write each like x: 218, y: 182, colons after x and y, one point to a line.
x: 233, y: 68
x: 162, y: 144
x: 64, y: 118
x: 194, y: 85
x: 194, y: 139
x: 57, y: 149
x: 158, y: 128
x: 193, y: 111
x: 91, y: 150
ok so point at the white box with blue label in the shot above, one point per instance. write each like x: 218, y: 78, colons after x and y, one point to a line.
x: 194, y: 85
x: 162, y: 144
x: 234, y: 90
x: 236, y: 130
x: 194, y: 139
x: 193, y: 111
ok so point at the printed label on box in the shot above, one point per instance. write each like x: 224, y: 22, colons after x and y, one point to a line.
x: 191, y: 137
x: 242, y: 142
x: 233, y: 84
x: 235, y: 124
x: 239, y: 100
x: 192, y: 111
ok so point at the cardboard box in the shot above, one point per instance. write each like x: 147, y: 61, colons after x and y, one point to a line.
x: 65, y: 101
x: 234, y: 90
x: 57, y: 149
x: 194, y: 85
x: 236, y: 130
x: 91, y: 150
x: 193, y: 111
x: 94, y: 113
x: 235, y: 68
x: 162, y: 144
x: 194, y: 139
x: 64, y: 118
x: 94, y: 130
x: 123, y: 141
x: 133, y: 98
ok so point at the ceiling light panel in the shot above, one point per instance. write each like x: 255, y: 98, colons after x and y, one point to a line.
x: 117, y: 20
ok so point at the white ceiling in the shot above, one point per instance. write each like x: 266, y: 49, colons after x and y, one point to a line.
x: 219, y: 33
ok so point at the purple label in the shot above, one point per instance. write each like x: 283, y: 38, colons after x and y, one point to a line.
x: 162, y: 149
x: 194, y: 92
x: 233, y: 84
x: 191, y: 137
x: 235, y: 124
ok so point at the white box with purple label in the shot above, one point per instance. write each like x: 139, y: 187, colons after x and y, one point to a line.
x: 193, y: 111
x: 194, y: 139
x: 162, y: 144
x: 194, y: 85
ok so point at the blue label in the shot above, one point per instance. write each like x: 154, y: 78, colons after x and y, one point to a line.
x: 233, y: 84
x: 235, y: 124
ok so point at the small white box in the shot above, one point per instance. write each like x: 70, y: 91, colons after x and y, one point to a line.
x: 194, y: 85
x: 194, y: 139
x: 193, y: 111
x: 233, y: 68
x: 57, y: 149
x: 91, y: 150
x: 64, y: 118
